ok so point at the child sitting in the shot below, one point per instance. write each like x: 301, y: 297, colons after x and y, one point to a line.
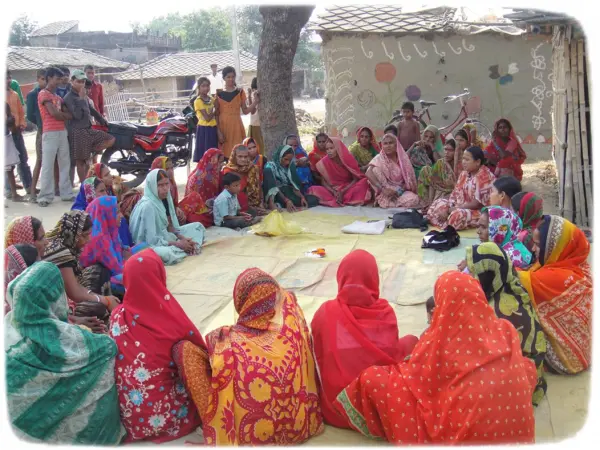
x: 226, y: 210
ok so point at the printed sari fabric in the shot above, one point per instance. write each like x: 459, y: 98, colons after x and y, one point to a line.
x: 398, y: 176
x: 505, y: 293
x: 149, y: 223
x: 504, y: 228
x: 425, y: 156
x: 250, y: 195
x: 354, y: 331
x: 87, y: 194
x: 465, y: 382
x: 531, y: 211
x: 339, y: 175
x: 264, y: 383
x: 104, y: 246
x: 362, y: 155
x: 560, y: 287
x: 60, y: 377
x: 153, y: 401
x: 202, y: 186
x: 260, y: 159
x: 315, y: 156
x: 439, y: 177
x: 161, y: 163
x: 14, y: 265
x: 304, y: 173
x: 469, y: 187
x: 129, y: 200
x: 505, y: 158
x: 61, y: 249
x: 19, y: 231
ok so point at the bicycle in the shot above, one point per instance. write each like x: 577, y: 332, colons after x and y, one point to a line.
x: 463, y: 118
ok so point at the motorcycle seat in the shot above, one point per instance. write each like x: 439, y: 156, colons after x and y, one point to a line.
x: 425, y: 104
x: 145, y: 130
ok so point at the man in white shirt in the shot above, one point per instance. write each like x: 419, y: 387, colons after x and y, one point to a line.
x: 216, y: 80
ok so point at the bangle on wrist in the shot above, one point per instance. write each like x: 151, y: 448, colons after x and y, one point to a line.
x: 97, y: 298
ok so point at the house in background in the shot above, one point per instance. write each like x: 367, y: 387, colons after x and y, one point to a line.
x: 24, y: 62
x: 48, y: 35
x: 172, y: 76
x: 378, y: 57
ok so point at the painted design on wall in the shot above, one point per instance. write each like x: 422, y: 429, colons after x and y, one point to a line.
x: 539, y: 91
x: 422, y: 53
x: 413, y: 93
x: 366, y: 98
x: 388, y: 54
x: 405, y: 58
x: 456, y: 51
x: 367, y: 55
x: 442, y: 54
x: 502, y: 80
x: 339, y: 63
x: 469, y: 48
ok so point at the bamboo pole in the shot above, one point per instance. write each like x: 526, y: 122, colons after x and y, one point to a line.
x: 568, y: 205
x: 558, y: 112
x: 580, y: 212
x: 587, y: 176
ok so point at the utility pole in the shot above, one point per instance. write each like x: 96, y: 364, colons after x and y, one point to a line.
x: 235, y: 47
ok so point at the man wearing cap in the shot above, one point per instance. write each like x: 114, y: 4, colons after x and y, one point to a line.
x: 86, y: 140
x: 216, y: 80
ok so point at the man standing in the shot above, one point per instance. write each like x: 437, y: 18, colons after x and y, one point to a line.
x: 216, y: 80
x: 96, y: 91
x: 55, y: 144
x: 16, y: 107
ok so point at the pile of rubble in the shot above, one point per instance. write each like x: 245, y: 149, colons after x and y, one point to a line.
x: 306, y: 120
x: 547, y: 174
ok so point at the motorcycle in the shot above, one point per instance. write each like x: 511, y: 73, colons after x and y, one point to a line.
x: 136, y: 146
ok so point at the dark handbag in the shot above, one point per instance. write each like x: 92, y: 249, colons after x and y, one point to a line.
x: 409, y: 219
x: 441, y: 241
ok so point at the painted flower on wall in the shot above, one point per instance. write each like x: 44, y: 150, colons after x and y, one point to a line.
x: 413, y: 93
x: 385, y: 72
x: 366, y: 98
x: 502, y: 78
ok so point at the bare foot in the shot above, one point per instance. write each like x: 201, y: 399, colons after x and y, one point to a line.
x: 18, y: 198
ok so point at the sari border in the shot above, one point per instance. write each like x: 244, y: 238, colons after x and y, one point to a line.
x: 355, y: 418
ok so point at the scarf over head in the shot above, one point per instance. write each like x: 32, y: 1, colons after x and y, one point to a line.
x: 19, y: 231
x: 504, y: 229
x: 161, y: 163
x: 400, y: 172
x: 362, y: 155
x: 249, y: 173
x: 62, y: 240
x: 14, y: 265
x: 531, y: 211
x: 346, y: 159
x: 354, y: 331
x: 283, y: 176
x: 87, y: 193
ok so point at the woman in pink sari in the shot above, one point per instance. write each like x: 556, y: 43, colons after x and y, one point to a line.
x: 343, y: 182
x: 392, y: 176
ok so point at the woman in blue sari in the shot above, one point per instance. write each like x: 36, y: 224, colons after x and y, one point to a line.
x: 154, y: 221
x: 302, y: 162
x: 92, y: 188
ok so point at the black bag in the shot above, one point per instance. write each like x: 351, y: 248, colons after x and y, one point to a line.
x: 441, y: 240
x: 409, y: 219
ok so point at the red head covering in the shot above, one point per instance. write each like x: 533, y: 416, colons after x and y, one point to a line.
x: 374, y: 142
x: 205, y: 178
x: 346, y: 157
x: 466, y: 380
x: 19, y: 231
x: 354, y: 331
x: 316, y: 154
x: 145, y: 327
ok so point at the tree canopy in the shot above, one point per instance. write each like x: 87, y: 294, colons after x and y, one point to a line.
x: 20, y: 31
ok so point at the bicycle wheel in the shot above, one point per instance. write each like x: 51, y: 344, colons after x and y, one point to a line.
x: 483, y: 132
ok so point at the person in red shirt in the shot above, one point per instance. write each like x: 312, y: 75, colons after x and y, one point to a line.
x: 96, y: 92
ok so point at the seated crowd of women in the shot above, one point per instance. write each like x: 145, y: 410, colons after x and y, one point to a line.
x: 474, y: 375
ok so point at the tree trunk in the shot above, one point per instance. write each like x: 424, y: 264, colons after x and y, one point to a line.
x: 278, y: 43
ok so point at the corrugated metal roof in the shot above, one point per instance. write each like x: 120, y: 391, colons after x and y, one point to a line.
x: 383, y: 19
x: 55, y: 28
x: 188, y: 64
x: 33, y: 58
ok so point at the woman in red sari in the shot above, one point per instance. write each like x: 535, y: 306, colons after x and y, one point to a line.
x: 165, y: 163
x: 343, y: 182
x: 153, y: 400
x: 317, y: 154
x: 466, y: 381
x: 504, y: 154
x: 354, y: 331
x: 202, y: 187
x: 250, y: 196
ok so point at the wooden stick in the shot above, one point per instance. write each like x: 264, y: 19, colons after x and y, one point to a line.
x: 568, y: 205
x: 583, y: 106
x: 580, y: 213
x: 559, y: 117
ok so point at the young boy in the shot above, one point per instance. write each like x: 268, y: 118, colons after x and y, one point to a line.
x: 54, y: 141
x: 226, y: 210
x: 503, y: 190
x: 409, y: 130
x: 17, y: 111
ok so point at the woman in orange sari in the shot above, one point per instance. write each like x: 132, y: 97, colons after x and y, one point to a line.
x: 260, y: 386
x: 560, y: 288
x: 466, y: 381
x: 343, y: 182
x: 202, y: 188
x: 165, y: 163
x: 230, y: 101
x: 257, y: 158
x: 250, y: 196
x: 354, y: 331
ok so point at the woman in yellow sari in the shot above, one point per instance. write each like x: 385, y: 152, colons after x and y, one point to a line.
x: 258, y: 383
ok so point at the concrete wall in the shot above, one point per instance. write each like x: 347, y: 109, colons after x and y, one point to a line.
x: 508, y: 76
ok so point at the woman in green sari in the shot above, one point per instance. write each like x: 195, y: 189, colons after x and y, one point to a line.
x: 505, y: 293
x: 154, y: 221
x: 427, y: 151
x: 365, y: 148
x: 437, y: 181
x: 282, y: 185
x: 60, y: 378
